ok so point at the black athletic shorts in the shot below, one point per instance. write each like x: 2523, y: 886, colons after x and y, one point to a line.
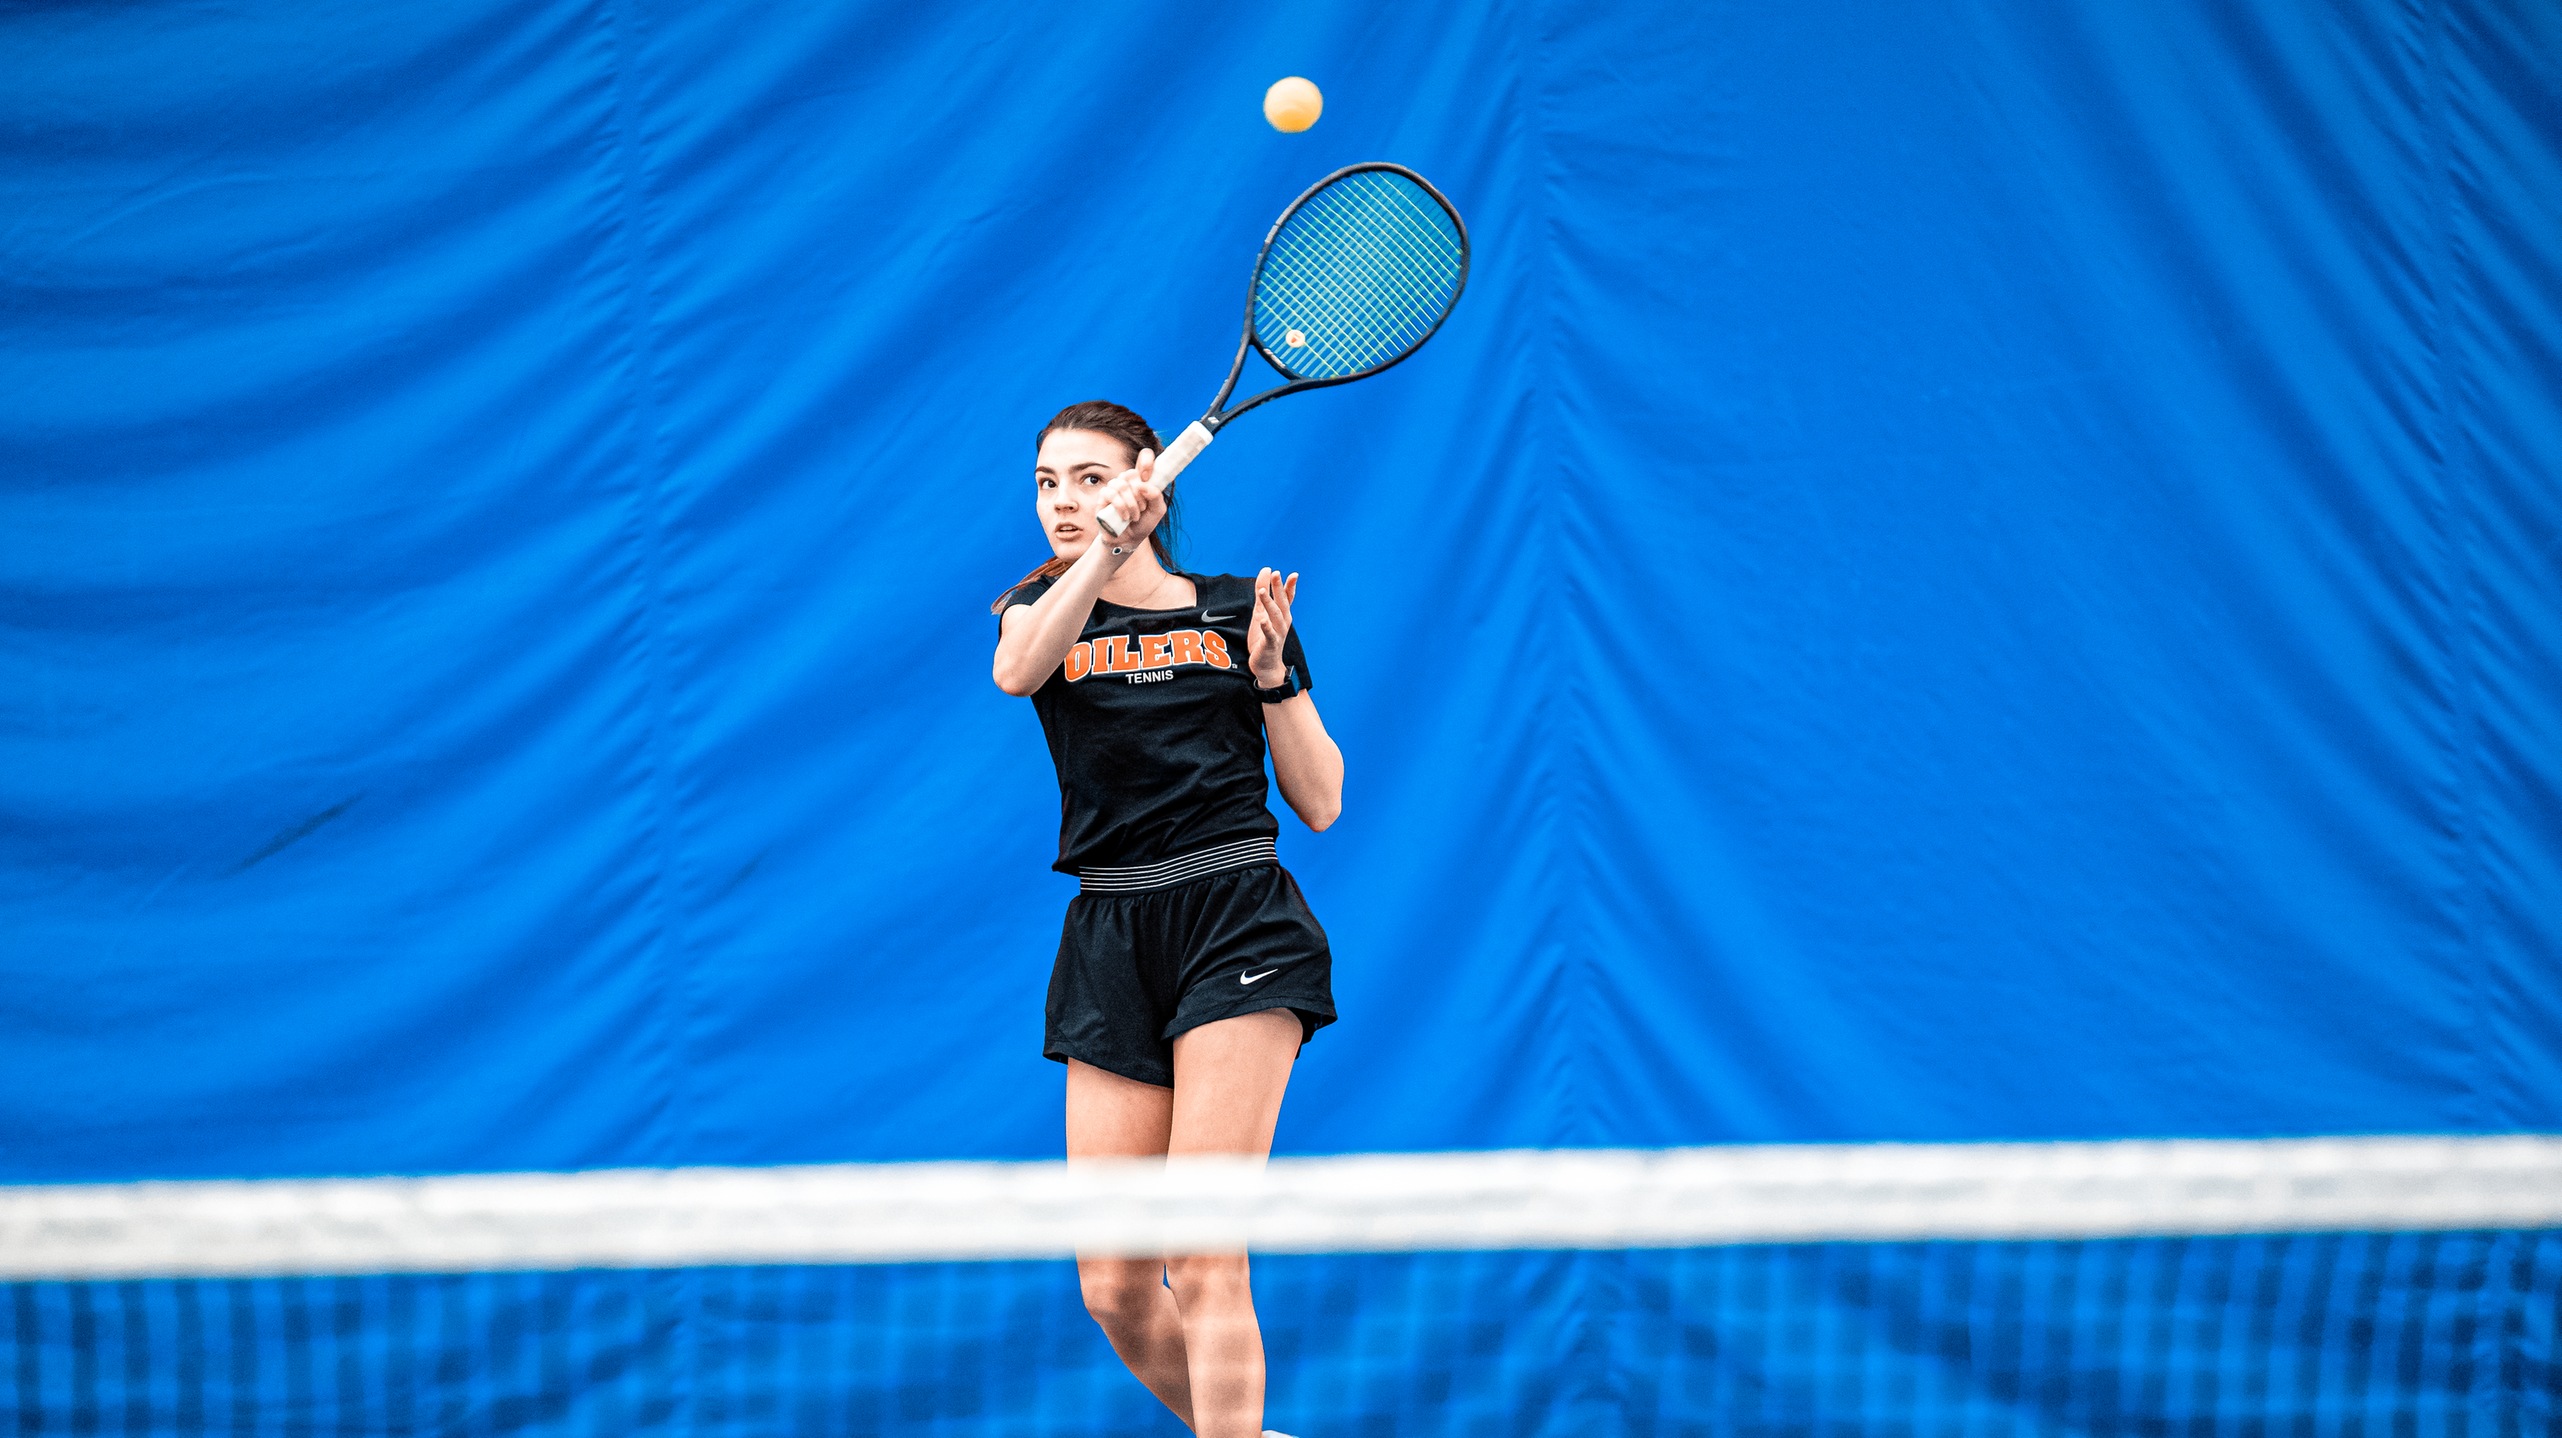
x: 1137, y: 969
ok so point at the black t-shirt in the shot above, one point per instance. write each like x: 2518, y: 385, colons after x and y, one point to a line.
x: 1155, y: 729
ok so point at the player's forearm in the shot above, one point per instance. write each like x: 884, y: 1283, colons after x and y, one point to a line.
x: 1033, y: 646
x: 1305, y: 760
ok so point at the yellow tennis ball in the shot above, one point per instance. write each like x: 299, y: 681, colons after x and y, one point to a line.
x: 1292, y: 104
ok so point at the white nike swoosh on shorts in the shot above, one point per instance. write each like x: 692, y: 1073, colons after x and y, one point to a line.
x: 1259, y: 978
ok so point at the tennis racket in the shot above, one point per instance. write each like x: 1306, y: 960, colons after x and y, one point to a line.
x: 1357, y: 273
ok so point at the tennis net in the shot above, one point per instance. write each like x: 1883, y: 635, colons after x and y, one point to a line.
x: 2399, y: 1285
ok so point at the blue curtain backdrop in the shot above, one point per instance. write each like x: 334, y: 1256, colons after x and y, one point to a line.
x: 1967, y: 571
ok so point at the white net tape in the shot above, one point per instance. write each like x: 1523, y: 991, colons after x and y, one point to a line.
x: 883, y: 1213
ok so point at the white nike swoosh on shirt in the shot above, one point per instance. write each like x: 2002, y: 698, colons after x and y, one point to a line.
x: 1209, y: 618
x: 1257, y: 978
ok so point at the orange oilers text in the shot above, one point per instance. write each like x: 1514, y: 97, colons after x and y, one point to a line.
x: 1121, y: 654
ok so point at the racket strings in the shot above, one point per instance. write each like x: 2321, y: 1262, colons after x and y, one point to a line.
x: 1389, y: 257
x: 1361, y: 274
x: 1361, y: 288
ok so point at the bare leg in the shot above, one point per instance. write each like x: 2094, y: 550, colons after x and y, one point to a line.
x: 1228, y: 1081
x: 1109, y: 1116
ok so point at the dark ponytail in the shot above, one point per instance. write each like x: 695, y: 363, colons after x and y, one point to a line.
x: 1102, y: 416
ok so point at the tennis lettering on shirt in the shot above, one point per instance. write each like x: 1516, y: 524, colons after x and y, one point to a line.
x: 1132, y: 654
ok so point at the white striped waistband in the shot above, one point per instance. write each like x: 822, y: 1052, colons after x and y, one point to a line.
x: 1181, y: 869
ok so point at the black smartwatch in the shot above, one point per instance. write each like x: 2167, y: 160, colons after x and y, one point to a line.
x: 1286, y: 689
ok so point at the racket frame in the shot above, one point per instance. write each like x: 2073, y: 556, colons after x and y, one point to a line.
x: 1177, y: 454
x: 1217, y: 418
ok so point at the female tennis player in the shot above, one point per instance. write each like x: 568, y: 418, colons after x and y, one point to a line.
x: 1189, y: 971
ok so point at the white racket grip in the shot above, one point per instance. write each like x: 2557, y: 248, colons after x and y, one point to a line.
x: 1194, y: 439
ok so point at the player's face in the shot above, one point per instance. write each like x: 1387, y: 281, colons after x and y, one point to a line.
x: 1068, y: 477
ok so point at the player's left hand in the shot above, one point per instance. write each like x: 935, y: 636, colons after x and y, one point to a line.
x: 1272, y: 597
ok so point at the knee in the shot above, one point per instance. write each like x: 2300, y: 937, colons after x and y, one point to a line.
x: 1119, y: 1293
x: 1206, y: 1280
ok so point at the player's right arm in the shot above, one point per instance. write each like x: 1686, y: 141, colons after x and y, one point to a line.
x: 1033, y: 639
